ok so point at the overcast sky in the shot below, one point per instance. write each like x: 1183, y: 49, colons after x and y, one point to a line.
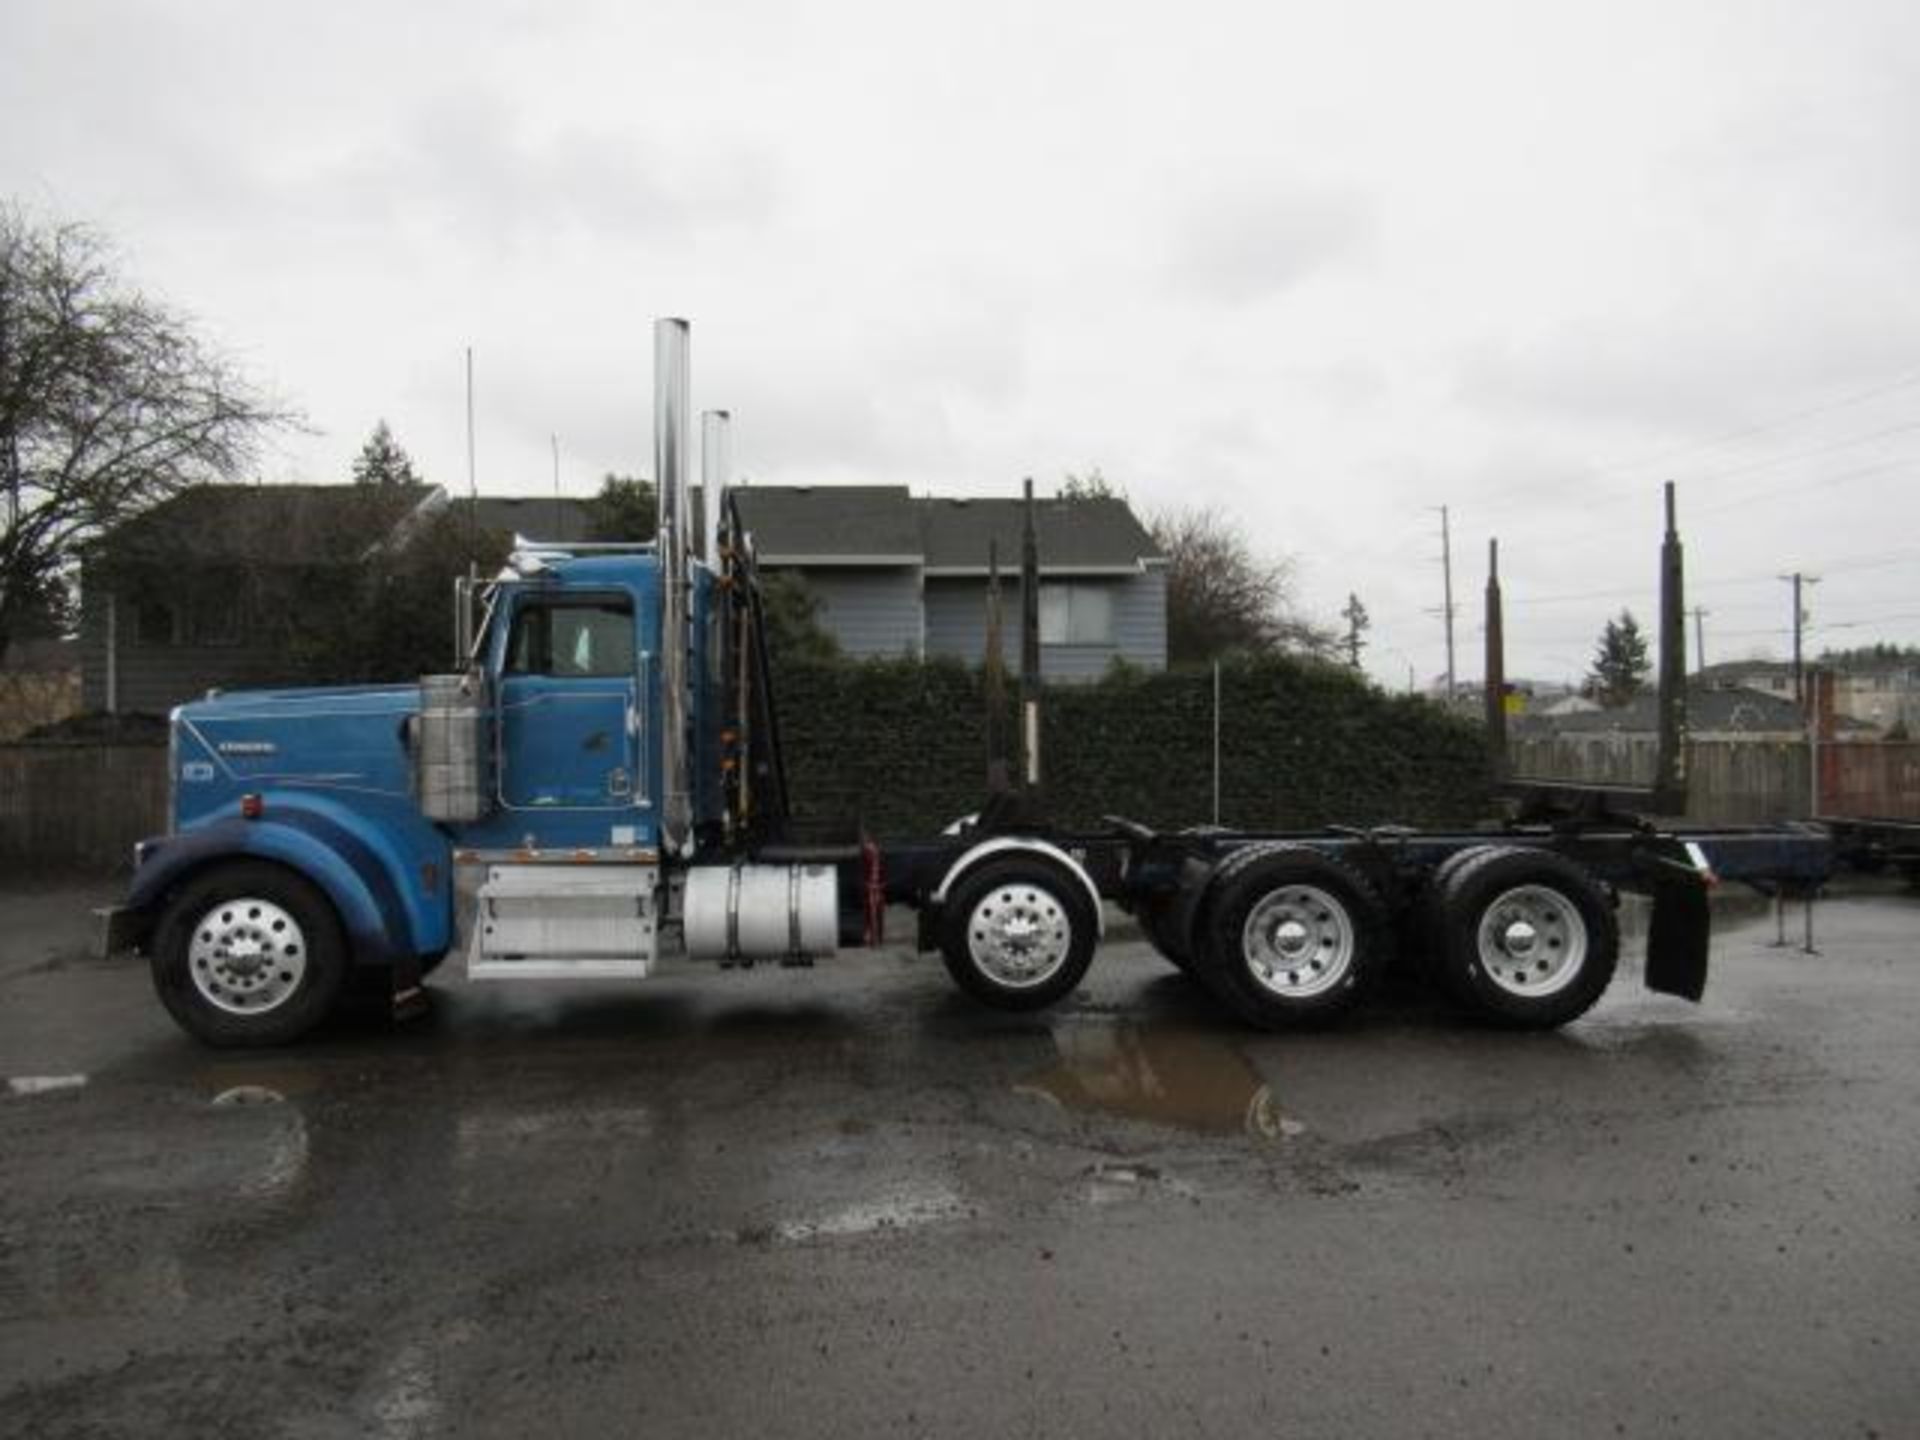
x: 1325, y: 267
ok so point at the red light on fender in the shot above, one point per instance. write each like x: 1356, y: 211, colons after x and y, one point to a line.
x: 250, y: 807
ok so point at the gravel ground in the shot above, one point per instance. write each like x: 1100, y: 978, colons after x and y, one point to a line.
x: 847, y: 1202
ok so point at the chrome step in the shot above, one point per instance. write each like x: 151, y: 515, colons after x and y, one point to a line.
x: 546, y: 922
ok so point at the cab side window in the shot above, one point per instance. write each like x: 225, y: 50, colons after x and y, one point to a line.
x: 572, y: 639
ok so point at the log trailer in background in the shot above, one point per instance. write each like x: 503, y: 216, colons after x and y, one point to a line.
x: 606, y: 768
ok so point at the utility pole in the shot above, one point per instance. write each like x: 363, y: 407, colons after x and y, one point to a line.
x: 1029, y: 647
x: 1356, y: 617
x: 1446, y: 573
x: 473, y: 483
x: 1700, y: 637
x: 1799, y: 581
x: 1495, y: 688
x: 557, y: 525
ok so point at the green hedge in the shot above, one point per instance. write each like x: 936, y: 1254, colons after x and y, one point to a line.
x: 902, y: 745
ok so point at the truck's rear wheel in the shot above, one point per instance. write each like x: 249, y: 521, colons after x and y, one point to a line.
x: 1293, y: 937
x: 1529, y: 938
x: 248, y: 954
x: 1018, y: 933
x: 1424, y: 924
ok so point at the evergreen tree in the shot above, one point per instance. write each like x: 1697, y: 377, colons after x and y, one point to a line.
x: 626, y: 511
x: 1620, y: 664
x: 381, y: 461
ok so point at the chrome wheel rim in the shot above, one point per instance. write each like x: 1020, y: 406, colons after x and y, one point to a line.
x: 1299, y: 941
x: 1532, y: 941
x: 1019, y: 936
x: 247, y: 956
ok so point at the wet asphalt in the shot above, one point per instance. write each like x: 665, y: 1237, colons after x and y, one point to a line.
x: 848, y: 1202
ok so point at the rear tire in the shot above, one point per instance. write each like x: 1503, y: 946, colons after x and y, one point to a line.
x: 1425, y: 924
x: 248, y: 953
x: 1528, y: 939
x: 1018, y: 933
x: 1293, y: 937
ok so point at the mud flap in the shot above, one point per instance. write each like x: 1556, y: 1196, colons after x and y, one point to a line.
x: 1677, y: 938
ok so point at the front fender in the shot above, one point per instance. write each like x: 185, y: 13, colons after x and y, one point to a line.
x: 386, y: 912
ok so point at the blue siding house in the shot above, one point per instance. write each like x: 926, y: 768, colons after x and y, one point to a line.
x: 896, y: 575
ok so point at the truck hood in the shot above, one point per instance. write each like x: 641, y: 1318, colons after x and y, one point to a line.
x: 347, y: 738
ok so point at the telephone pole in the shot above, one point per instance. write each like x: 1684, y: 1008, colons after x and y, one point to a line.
x: 1700, y: 637
x: 1446, y: 573
x: 1799, y: 581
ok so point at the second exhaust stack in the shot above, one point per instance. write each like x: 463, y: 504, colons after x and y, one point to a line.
x: 670, y: 416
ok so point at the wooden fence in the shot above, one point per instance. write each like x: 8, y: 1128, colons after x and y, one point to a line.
x: 1742, y: 782
x: 80, y: 804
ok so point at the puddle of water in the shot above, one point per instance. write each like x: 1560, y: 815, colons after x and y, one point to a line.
x: 44, y: 1084
x: 905, y: 1207
x: 487, y: 1135
x: 1187, y: 1079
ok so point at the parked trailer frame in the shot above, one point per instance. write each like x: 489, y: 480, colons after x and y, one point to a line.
x: 1384, y: 895
x: 1872, y: 845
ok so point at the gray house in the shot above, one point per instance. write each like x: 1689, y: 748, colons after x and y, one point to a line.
x: 899, y: 575
x: 149, y: 640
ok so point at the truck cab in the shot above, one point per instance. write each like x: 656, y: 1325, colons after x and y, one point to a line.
x: 594, y: 777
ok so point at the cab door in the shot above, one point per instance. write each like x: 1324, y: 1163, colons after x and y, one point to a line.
x: 569, y: 709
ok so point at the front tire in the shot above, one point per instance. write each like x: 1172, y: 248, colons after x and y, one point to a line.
x: 247, y: 954
x: 1017, y: 934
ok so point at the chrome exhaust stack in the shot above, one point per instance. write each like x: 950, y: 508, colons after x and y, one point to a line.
x: 670, y: 424
x: 716, y: 464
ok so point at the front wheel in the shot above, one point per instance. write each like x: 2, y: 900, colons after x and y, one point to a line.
x: 1017, y: 934
x: 248, y: 954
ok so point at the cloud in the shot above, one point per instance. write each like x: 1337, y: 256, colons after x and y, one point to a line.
x: 1249, y: 242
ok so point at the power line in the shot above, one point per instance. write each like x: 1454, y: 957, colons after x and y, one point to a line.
x: 1902, y: 382
x: 1765, y: 427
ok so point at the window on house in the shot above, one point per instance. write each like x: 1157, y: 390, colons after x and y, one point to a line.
x: 573, y: 638
x: 1076, y: 615
x: 155, y: 622
x: 213, y: 621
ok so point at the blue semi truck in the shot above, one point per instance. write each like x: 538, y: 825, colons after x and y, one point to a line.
x: 602, y: 776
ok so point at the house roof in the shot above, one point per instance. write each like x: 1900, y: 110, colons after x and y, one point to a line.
x: 297, y: 524
x: 1730, y: 671
x: 1710, y: 708
x: 315, y: 524
x: 1091, y: 535
x: 537, y: 517
x: 832, y: 525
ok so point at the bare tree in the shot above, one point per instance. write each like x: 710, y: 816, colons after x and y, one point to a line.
x: 108, y: 403
x: 1222, y: 597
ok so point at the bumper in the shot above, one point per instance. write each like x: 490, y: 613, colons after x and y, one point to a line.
x: 119, y: 928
